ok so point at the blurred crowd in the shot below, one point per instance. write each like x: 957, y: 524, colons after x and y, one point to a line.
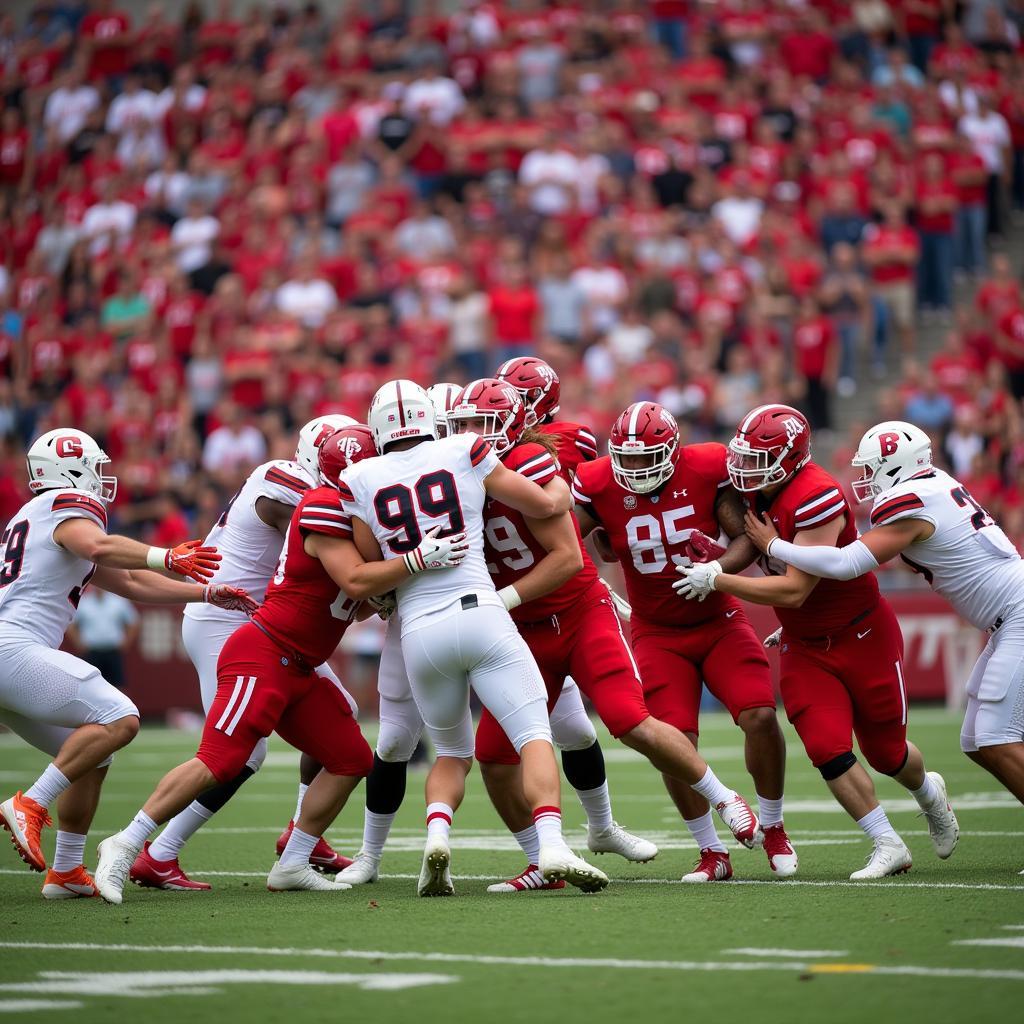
x: 216, y: 225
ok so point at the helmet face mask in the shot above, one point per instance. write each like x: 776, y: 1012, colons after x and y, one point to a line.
x: 771, y: 444
x: 643, y: 447
x: 752, y: 469
x: 68, y: 458
x: 495, y: 405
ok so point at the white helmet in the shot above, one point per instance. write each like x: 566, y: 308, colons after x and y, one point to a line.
x: 66, y: 457
x: 890, y: 453
x: 401, y: 409
x: 312, y: 435
x: 444, y: 397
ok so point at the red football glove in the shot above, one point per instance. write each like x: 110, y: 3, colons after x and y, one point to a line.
x: 193, y: 560
x: 702, y: 548
x: 602, y: 545
x: 233, y: 599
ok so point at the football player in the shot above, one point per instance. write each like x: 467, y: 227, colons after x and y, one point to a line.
x: 443, y: 396
x: 456, y: 632
x: 842, y: 652
x: 931, y: 521
x: 52, y: 549
x: 650, y: 495
x: 248, y: 535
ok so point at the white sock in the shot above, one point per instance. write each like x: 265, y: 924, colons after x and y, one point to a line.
x: 548, y: 822
x: 439, y: 821
x: 704, y: 833
x: 928, y: 795
x: 529, y: 843
x: 769, y: 811
x: 141, y: 828
x: 70, y: 851
x: 876, y: 824
x: 300, y: 846
x: 48, y: 786
x: 712, y: 790
x: 598, y: 805
x: 179, y: 830
x: 298, y: 803
x: 376, y: 829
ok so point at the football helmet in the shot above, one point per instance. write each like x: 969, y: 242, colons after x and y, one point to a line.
x: 770, y: 445
x: 443, y: 396
x: 650, y: 430
x: 66, y: 457
x: 313, y: 434
x: 342, y: 449
x: 401, y: 409
x: 499, y: 405
x: 888, y: 454
x: 537, y: 382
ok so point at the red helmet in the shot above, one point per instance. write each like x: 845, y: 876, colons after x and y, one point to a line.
x: 647, y: 429
x: 344, y: 448
x: 498, y: 404
x: 770, y: 445
x: 536, y: 382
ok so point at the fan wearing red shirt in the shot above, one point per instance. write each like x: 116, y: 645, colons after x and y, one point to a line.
x: 816, y: 353
x: 1009, y: 347
x: 808, y: 49
x: 936, y: 203
x: 15, y: 151
x: 891, y: 252
x: 969, y: 174
x: 109, y: 36
x: 651, y: 496
x: 515, y: 311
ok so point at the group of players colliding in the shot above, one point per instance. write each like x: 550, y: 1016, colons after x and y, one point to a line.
x: 450, y: 515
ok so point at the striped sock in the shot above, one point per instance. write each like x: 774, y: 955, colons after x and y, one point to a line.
x: 548, y: 821
x: 439, y: 821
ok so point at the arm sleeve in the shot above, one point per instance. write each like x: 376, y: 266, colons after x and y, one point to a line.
x: 822, y: 560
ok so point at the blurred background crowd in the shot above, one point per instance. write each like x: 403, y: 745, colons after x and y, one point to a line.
x: 219, y: 220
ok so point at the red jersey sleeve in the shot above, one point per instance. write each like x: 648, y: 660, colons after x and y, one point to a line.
x: 533, y: 461
x: 709, y: 461
x: 321, y: 512
x: 820, y: 508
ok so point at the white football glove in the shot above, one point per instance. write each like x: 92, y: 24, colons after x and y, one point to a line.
x: 774, y: 639
x: 698, y: 580
x: 622, y: 606
x: 437, y: 552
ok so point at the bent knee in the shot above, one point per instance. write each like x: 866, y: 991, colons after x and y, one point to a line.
x: 124, y: 730
x: 758, y: 720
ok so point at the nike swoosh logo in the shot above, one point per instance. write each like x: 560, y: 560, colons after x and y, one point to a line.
x: 729, y: 615
x: 860, y: 636
x: 163, y: 874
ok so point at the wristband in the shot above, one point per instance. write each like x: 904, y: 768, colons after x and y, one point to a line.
x: 768, y: 550
x: 414, y: 562
x: 510, y: 597
x: 156, y: 558
x: 206, y: 593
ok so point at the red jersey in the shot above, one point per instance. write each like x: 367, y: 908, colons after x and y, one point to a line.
x: 648, y: 532
x: 305, y: 610
x: 576, y: 444
x: 808, y: 500
x: 512, y: 550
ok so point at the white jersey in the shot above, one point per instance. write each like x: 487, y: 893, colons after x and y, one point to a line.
x: 41, y: 582
x: 439, y: 483
x: 249, y: 548
x: 968, y: 559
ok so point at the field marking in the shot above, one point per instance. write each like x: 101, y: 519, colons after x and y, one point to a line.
x: 33, y: 1005
x: 533, y: 961
x: 1010, y: 942
x: 789, y: 954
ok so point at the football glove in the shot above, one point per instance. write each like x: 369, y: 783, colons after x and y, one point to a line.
x: 191, y: 559
x: 436, y: 552
x: 232, y: 599
x: 698, y: 580
x: 773, y: 639
x: 702, y: 548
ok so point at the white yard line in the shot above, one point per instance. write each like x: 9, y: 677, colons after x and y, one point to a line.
x: 1010, y: 942
x: 34, y: 1005
x: 790, y: 954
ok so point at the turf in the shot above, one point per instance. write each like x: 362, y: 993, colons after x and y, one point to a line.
x: 647, y: 949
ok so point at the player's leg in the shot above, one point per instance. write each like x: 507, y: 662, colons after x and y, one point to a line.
x: 54, y: 688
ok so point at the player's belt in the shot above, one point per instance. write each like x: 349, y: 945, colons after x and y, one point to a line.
x: 995, y: 627
x: 469, y: 601
x: 298, y: 659
x: 826, y: 640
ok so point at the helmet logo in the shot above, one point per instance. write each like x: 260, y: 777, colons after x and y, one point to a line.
x: 325, y: 432
x: 349, y: 447
x: 69, y: 447
x: 887, y: 443
x: 793, y: 427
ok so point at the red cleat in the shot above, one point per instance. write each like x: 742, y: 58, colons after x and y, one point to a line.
x: 162, y: 874
x: 25, y: 820
x: 528, y: 880
x: 324, y: 857
x: 781, y: 855
x: 713, y: 866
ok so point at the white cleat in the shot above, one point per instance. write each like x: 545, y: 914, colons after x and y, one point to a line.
x: 301, y: 877
x: 364, y: 870
x: 890, y: 856
x: 741, y: 821
x: 615, y: 839
x: 942, y: 824
x: 114, y: 859
x: 436, y: 875
x: 561, y: 863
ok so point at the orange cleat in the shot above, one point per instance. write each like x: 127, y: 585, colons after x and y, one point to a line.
x: 75, y: 884
x: 25, y: 820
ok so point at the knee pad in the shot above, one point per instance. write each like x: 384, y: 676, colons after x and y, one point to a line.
x: 892, y: 771
x: 258, y: 756
x: 573, y: 731
x: 837, y: 766
x: 397, y: 741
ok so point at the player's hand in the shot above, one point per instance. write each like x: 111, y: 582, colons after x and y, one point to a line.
x: 760, y: 530
x: 193, y: 560
x: 774, y: 639
x: 622, y: 606
x: 384, y: 605
x: 602, y: 545
x: 698, y: 580
x: 437, y: 552
x: 232, y: 599
x: 702, y: 548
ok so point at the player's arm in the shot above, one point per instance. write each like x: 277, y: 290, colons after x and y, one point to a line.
x: 86, y: 539
x: 563, y: 558
x: 153, y: 588
x: 276, y: 514
x: 729, y: 510
x: 536, y: 502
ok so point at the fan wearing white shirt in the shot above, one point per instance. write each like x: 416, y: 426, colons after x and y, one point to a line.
x: 192, y: 237
x: 307, y: 297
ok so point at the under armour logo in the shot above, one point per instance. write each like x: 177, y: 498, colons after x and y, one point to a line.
x: 679, y: 494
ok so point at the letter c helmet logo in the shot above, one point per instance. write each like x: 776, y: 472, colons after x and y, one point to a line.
x: 69, y: 447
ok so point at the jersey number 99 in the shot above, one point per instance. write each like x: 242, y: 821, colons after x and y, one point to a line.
x: 434, y: 495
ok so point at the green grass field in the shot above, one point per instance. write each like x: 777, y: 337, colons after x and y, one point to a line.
x: 944, y: 943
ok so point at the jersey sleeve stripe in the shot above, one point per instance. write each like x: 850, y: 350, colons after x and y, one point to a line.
x: 812, y: 503
x: 325, y: 510
x: 345, y: 491
x: 80, y: 503
x: 577, y: 494
x: 279, y: 476
x: 478, y: 452
x: 823, y: 516
x: 543, y: 461
x: 586, y: 443
x: 905, y: 503
x: 326, y: 526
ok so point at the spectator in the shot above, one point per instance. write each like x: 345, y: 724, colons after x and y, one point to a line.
x: 515, y: 313
x: 234, y: 447
x: 928, y: 407
x: 989, y: 135
x: 969, y: 174
x: 551, y: 174
x: 816, y: 353
x: 104, y: 629
x: 306, y: 297
x: 539, y: 63
x: 937, y: 202
x: 891, y: 252
x: 739, y: 213
x: 69, y: 105
x: 845, y: 298
x: 425, y: 235
x: 562, y: 301
x: 109, y: 222
x: 433, y: 98
x: 127, y: 312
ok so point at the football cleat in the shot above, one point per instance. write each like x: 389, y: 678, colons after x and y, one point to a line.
x: 151, y: 873
x: 25, y: 820
x: 323, y: 857
x: 362, y: 871
x: 301, y: 877
x: 713, y: 866
x: 436, y: 875
x: 781, y: 856
x: 889, y: 856
x: 741, y: 821
x: 528, y: 880
x: 75, y: 884
x: 114, y: 862
x: 559, y: 862
x: 942, y: 824
x: 615, y: 839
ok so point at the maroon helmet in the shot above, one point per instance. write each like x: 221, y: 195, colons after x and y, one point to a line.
x: 344, y: 448
x: 644, y: 429
x: 498, y: 404
x: 770, y: 445
x: 536, y: 382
